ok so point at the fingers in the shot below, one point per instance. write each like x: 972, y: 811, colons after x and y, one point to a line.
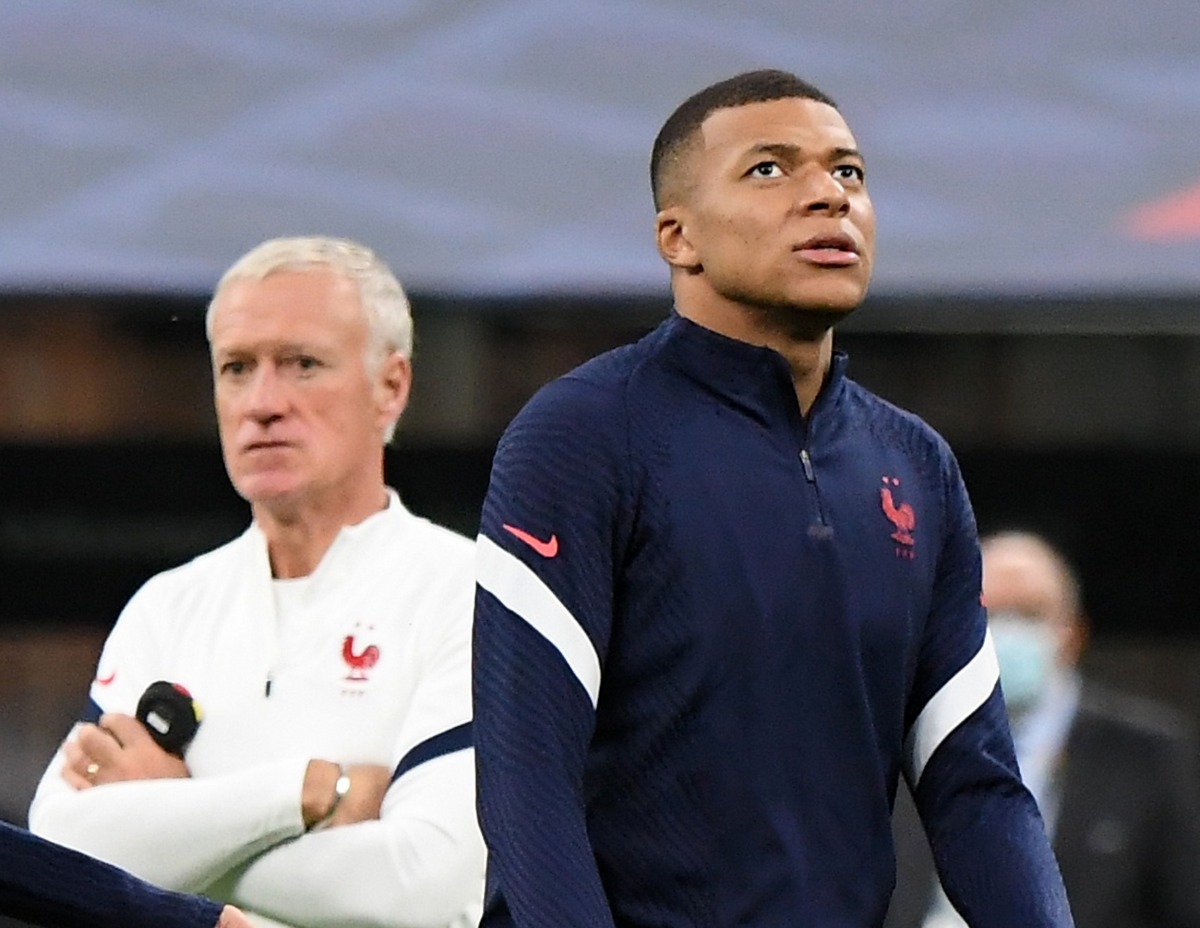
x: 117, y: 749
x: 97, y: 743
x: 232, y: 918
x: 75, y: 765
x: 91, y: 751
x: 125, y: 729
x: 95, y: 752
x: 317, y: 791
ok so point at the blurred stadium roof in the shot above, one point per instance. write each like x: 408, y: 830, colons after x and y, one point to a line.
x: 500, y: 148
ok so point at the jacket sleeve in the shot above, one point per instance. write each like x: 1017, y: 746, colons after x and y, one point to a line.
x: 987, y: 836
x: 46, y: 884
x: 421, y: 865
x: 140, y: 825
x: 543, y: 613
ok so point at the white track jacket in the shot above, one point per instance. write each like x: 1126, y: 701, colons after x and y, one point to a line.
x: 373, y: 668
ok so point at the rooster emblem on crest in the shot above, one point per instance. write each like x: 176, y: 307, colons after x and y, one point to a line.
x: 361, y: 662
x: 902, y: 517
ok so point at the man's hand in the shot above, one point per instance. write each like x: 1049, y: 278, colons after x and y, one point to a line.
x: 232, y: 918
x: 117, y: 749
x: 368, y: 783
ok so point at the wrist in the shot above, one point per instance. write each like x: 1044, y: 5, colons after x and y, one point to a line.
x: 341, y: 786
x: 325, y: 785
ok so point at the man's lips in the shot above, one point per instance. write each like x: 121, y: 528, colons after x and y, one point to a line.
x: 271, y: 445
x: 830, y: 251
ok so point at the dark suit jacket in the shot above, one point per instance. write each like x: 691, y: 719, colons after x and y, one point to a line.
x: 1128, y: 833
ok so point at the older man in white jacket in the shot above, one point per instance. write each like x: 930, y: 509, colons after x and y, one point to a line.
x: 331, y: 778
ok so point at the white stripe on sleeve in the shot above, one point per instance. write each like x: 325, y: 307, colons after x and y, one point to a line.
x: 521, y: 591
x: 950, y: 706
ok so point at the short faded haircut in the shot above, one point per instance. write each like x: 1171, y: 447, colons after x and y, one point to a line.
x: 681, y: 126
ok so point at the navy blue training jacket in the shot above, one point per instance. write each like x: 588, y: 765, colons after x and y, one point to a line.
x: 711, y: 634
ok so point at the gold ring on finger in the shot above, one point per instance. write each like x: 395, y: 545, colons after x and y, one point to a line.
x: 92, y: 769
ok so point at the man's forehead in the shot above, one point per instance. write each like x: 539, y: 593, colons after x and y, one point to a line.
x: 302, y: 278
x: 276, y: 330
x: 1014, y: 572
x: 797, y: 121
x: 300, y: 291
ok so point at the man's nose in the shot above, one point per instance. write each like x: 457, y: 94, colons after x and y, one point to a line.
x: 266, y: 394
x: 821, y: 192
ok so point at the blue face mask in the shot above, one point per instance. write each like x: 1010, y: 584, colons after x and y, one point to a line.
x: 1025, y: 649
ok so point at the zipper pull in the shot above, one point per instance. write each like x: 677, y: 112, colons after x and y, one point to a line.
x: 806, y: 461
x: 267, y: 688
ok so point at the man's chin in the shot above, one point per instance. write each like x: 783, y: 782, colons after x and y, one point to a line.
x: 809, y: 316
x: 836, y: 297
x: 266, y: 489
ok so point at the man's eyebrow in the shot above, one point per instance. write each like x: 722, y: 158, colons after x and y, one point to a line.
x: 778, y: 149
x: 274, y: 347
x: 791, y: 152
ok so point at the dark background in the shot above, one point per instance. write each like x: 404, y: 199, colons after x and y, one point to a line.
x: 1087, y: 436
x: 1079, y: 418
x: 85, y: 525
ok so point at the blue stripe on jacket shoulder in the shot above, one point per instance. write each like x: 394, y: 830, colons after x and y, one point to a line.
x: 455, y: 739
x: 91, y: 712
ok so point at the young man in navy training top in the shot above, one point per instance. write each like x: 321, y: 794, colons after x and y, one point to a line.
x: 727, y: 596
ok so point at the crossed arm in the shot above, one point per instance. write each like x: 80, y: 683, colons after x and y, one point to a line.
x: 264, y: 838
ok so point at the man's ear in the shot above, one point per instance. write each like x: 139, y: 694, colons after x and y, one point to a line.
x: 393, y: 385
x: 671, y: 236
x: 1070, y: 648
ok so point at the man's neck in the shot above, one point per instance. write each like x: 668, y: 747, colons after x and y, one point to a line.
x: 298, y: 535
x: 804, y: 338
x: 1052, y: 711
x: 809, y: 363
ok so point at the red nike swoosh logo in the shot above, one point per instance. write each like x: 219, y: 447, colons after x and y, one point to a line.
x: 104, y: 681
x: 544, y: 548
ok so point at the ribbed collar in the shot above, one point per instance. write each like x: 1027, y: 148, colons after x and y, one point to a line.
x: 750, y: 376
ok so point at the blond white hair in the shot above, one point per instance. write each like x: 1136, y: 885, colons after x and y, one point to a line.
x: 383, y: 301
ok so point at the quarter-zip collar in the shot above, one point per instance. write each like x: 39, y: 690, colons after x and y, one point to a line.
x: 754, y: 378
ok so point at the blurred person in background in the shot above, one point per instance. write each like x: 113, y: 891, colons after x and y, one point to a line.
x: 43, y: 883
x: 331, y: 776
x: 1115, y: 777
